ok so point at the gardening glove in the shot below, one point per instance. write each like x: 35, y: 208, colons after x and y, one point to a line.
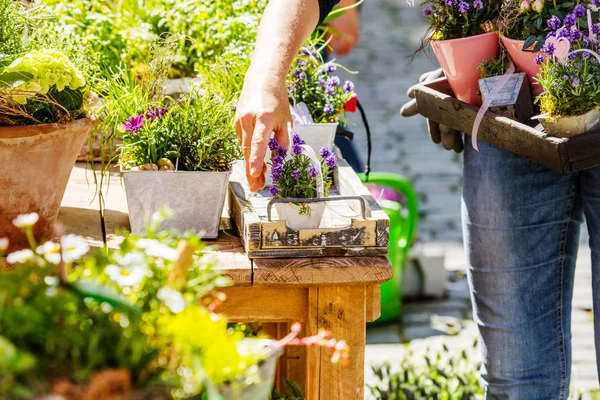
x: 450, y: 139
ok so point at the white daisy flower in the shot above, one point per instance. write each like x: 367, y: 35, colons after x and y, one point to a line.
x: 3, y: 244
x: 50, y: 251
x: 73, y: 247
x: 172, y: 299
x: 26, y: 220
x: 131, y: 270
x: 20, y: 257
x: 154, y: 248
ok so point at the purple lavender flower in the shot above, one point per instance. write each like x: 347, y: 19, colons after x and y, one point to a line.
x: 348, y: 86
x: 301, y: 63
x: 302, y: 76
x: 312, y: 172
x: 330, y: 90
x: 570, y: 20
x: 325, y: 152
x: 330, y: 68
x: 275, y: 191
x: 539, y: 59
x: 575, y: 35
x: 297, y: 149
x: 596, y: 3
x: 565, y: 77
x: 548, y: 49
x: 333, y: 81
x: 478, y: 4
x: 273, y: 144
x: 322, y: 82
x: 563, y: 32
x: 579, y: 11
x: 585, y: 55
x: 233, y: 109
x: 463, y: 7
x: 134, y: 124
x: 551, y: 34
x: 314, y: 53
x: 293, y: 88
x: 596, y: 28
x: 306, y: 51
x: 575, y: 82
x: 281, y: 152
x: 328, y: 109
x: 331, y: 160
x: 297, y: 139
x: 296, y: 174
x: 297, y: 71
x: 572, y: 57
x: 427, y: 11
x: 553, y: 23
x: 276, y: 172
x: 451, y: 3
x: 277, y: 160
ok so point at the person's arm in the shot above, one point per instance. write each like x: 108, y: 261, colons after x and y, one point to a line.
x: 346, y: 29
x: 263, y: 107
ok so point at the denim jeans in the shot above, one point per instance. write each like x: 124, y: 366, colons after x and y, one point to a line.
x: 521, y: 226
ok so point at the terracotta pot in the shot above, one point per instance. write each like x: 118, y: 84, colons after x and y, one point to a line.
x: 524, y: 60
x: 460, y: 59
x: 573, y: 125
x: 36, y: 164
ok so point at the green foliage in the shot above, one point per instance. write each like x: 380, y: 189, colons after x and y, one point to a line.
x: 444, y: 375
x: 12, y: 25
x: 497, y: 66
x: 448, y: 22
x: 294, y: 391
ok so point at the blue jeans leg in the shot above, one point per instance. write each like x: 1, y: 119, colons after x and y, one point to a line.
x: 521, y: 228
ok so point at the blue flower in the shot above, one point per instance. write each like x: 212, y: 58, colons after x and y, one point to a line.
x: 296, y: 174
x: 553, y: 23
x: 539, y: 59
x: 331, y: 160
x: 312, y: 172
x: 330, y: 68
x: 570, y: 20
x: 348, y: 86
x: 275, y: 191
x: 463, y: 7
x: 478, y: 4
x: 579, y: 11
x: 328, y: 109
x: 325, y: 152
x: 575, y: 82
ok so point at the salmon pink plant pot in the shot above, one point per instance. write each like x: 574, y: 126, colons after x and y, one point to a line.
x: 36, y: 164
x: 524, y: 60
x: 460, y: 59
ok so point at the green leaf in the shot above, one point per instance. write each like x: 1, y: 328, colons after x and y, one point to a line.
x: 539, y: 44
x: 91, y: 290
x: 529, y: 42
x: 13, y: 79
x: 336, y: 13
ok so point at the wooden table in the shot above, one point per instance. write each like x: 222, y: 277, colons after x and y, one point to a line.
x: 337, y: 294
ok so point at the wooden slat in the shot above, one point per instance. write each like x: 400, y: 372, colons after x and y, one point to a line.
x: 255, y: 304
x: 373, y: 310
x: 313, y: 354
x: 435, y: 102
x: 321, y: 271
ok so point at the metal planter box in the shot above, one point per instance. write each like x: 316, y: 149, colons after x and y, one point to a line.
x: 196, y: 199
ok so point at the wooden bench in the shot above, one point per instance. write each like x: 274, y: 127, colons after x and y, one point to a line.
x: 338, y: 294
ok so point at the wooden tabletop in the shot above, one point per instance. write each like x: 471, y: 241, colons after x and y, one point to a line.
x: 80, y: 214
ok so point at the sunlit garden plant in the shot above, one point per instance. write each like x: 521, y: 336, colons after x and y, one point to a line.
x: 454, y: 19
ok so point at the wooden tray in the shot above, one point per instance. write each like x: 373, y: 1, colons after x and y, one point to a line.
x: 436, y: 102
x: 342, y: 231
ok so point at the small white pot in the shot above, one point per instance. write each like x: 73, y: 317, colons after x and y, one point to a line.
x: 196, y: 199
x: 572, y: 126
x: 290, y: 213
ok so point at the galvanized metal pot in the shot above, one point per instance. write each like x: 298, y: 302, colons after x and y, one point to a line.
x: 36, y: 164
x: 196, y: 199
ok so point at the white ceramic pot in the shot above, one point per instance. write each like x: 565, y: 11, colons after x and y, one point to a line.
x: 572, y: 126
x: 196, y: 199
x: 290, y: 213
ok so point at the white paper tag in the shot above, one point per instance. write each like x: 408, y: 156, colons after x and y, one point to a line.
x: 301, y: 115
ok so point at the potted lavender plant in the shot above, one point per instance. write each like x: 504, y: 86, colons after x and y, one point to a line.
x: 303, y: 175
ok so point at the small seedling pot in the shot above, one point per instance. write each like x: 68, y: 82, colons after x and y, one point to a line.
x: 573, y: 125
x: 196, y: 199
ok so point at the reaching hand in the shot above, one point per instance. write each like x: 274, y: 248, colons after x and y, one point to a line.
x: 450, y: 139
x: 263, y: 108
x: 346, y: 32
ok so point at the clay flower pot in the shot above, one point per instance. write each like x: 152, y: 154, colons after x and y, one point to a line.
x: 524, y: 60
x: 36, y: 164
x: 460, y: 59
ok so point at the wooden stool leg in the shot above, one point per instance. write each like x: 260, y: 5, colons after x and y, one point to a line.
x: 342, y: 310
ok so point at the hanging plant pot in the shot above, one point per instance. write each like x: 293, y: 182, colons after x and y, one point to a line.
x: 573, y: 125
x: 195, y: 198
x: 294, y: 219
x: 260, y: 390
x: 36, y: 164
x: 524, y: 60
x: 460, y: 59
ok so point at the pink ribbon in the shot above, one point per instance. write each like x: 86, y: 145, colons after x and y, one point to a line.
x: 488, y: 101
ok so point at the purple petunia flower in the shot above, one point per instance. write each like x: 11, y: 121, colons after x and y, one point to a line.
x: 553, y: 23
x: 331, y: 160
x: 330, y: 68
x: 348, y: 86
x: 328, y: 109
x: 570, y: 20
x: 539, y: 59
x: 596, y: 29
x: 134, y: 124
x: 548, y: 49
x: 478, y: 4
x: 312, y: 172
x: 427, y: 11
x: 296, y: 174
x: 575, y: 82
x: 579, y: 11
x: 275, y: 191
x: 297, y: 149
x: 463, y: 7
x: 302, y: 76
x: 333, y: 81
x: 325, y: 152
x: 297, y: 139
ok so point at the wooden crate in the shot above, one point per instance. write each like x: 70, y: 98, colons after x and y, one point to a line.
x: 342, y: 231
x: 437, y: 102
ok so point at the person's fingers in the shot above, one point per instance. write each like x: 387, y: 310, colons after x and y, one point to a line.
x: 448, y: 137
x: 263, y: 128
x: 409, y: 109
x: 283, y: 135
x: 459, y: 145
x: 434, y: 131
x: 411, y: 91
